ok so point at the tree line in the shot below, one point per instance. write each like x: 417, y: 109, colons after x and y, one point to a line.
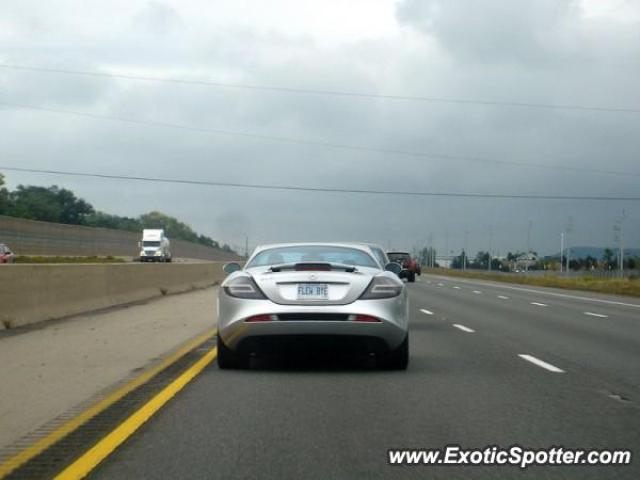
x: 609, y: 261
x: 59, y: 205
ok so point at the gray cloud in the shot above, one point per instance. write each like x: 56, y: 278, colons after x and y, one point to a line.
x: 546, y: 52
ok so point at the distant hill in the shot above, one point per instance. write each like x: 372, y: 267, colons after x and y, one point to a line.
x: 597, y: 252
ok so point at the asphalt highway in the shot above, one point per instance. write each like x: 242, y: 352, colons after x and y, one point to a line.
x: 491, y: 364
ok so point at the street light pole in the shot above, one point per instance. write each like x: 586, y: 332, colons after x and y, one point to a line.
x: 490, y: 246
x: 569, y: 230
x: 619, y: 229
x: 561, y: 250
x: 430, y: 250
x: 464, y: 260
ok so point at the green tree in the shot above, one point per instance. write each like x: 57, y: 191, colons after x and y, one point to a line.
x: 73, y: 210
x: 608, y: 258
x: 54, y: 204
x: 105, y: 220
x: 4, y: 197
x: 34, y: 203
x: 48, y: 204
x: 458, y: 262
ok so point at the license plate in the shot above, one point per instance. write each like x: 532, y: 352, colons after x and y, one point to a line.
x: 313, y: 291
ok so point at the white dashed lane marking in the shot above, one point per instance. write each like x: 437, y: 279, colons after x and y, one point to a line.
x: 541, y: 363
x: 477, y: 292
x: 599, y: 315
x: 463, y: 328
x: 502, y: 297
x: 426, y: 312
x: 456, y: 287
x: 539, y: 304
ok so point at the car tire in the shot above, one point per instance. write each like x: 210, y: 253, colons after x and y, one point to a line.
x: 412, y: 277
x: 398, y: 358
x: 228, y: 359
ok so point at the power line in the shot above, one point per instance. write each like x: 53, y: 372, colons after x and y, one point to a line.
x: 632, y: 197
x: 336, y: 93
x: 316, y: 143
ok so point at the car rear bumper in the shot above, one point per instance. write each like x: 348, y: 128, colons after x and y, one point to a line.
x: 302, y: 344
x: 237, y: 333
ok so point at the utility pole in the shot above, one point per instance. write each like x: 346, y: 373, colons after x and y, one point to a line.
x: 619, y: 236
x: 446, y: 247
x: 569, y: 230
x: 430, y: 250
x: 464, y: 260
x: 561, y: 250
x: 526, y: 265
x: 246, y: 246
x: 490, y: 242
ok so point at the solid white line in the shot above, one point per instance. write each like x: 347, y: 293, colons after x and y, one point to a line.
x: 554, y: 294
x: 477, y: 292
x: 426, y: 312
x: 463, y: 328
x: 502, y: 297
x: 456, y: 287
x: 540, y: 363
x: 596, y: 315
x: 539, y: 304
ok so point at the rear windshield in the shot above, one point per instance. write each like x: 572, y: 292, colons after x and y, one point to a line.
x: 312, y: 253
x: 398, y: 257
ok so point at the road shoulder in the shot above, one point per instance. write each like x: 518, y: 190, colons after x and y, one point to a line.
x: 49, y: 372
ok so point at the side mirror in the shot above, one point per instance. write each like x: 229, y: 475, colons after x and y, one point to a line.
x: 393, y: 267
x: 229, y: 268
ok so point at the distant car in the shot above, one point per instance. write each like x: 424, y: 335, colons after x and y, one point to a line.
x: 410, y: 267
x: 6, y: 255
x: 301, y: 295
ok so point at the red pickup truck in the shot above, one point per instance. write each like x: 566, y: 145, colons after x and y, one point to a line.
x: 410, y: 267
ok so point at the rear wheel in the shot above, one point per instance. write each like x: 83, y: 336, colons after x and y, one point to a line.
x: 397, y: 359
x: 228, y: 359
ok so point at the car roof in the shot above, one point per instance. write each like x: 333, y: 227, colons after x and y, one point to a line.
x: 359, y: 246
x: 356, y: 246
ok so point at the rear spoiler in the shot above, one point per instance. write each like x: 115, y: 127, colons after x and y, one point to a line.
x: 313, y: 266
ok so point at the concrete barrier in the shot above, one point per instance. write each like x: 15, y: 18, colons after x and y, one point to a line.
x: 35, y: 293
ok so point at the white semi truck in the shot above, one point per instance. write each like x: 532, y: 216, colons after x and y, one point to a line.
x: 155, y: 246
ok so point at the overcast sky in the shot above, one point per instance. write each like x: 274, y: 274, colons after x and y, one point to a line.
x: 583, y: 53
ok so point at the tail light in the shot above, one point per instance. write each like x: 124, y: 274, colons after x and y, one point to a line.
x: 261, y: 318
x: 364, y: 319
x: 382, y: 287
x: 243, y: 287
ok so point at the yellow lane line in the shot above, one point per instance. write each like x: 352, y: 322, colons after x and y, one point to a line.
x: 42, y: 444
x: 101, y: 450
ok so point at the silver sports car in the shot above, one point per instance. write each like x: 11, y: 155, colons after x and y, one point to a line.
x: 334, y: 295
